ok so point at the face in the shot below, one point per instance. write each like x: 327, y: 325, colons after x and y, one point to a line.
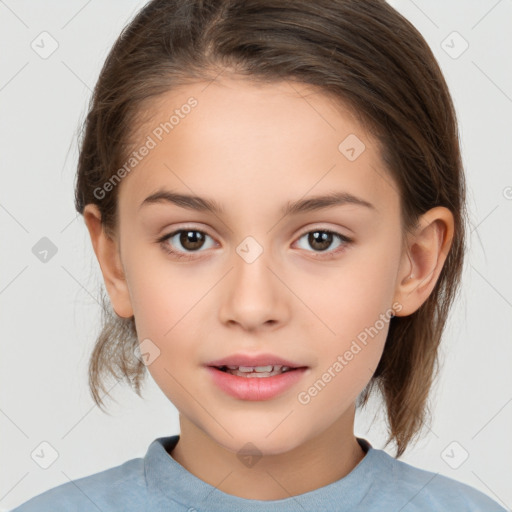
x: 314, y: 286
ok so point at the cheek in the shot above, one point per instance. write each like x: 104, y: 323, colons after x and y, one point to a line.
x: 345, y: 299
x: 354, y: 309
x: 347, y: 359
x: 170, y: 304
x: 163, y: 293
x: 167, y: 304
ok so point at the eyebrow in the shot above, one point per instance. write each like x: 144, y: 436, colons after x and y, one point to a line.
x: 292, y: 207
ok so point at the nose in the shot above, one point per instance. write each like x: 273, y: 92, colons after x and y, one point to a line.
x: 252, y: 295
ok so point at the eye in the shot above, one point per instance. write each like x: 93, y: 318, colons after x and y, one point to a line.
x: 322, y: 239
x: 190, y: 240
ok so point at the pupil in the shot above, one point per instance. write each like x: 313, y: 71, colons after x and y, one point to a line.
x: 191, y: 239
x: 320, y: 237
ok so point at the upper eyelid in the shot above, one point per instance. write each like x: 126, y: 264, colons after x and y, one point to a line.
x: 300, y: 235
x: 205, y: 231
x: 321, y: 228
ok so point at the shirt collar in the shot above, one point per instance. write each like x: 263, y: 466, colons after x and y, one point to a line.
x: 173, y: 483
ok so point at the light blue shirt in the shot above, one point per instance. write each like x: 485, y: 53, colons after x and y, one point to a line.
x: 159, y: 483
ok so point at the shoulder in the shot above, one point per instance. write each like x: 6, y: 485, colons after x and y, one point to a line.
x: 119, y: 488
x: 417, y: 489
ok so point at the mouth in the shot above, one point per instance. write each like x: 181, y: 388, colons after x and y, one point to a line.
x: 256, y: 371
x: 256, y: 382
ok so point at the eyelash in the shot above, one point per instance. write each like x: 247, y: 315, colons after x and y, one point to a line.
x: 180, y: 255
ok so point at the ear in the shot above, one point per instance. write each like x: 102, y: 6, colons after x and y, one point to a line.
x: 423, y: 259
x: 107, y: 253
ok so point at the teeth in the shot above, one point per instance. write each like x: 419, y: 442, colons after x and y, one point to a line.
x: 249, y: 369
x: 257, y: 371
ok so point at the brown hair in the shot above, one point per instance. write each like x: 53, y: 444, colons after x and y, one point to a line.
x: 361, y: 52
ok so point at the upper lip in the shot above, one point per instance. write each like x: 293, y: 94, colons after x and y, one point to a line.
x: 254, y: 360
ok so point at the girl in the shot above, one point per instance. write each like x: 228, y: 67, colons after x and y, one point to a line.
x: 275, y: 196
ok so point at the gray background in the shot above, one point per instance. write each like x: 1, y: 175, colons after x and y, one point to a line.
x: 49, y: 311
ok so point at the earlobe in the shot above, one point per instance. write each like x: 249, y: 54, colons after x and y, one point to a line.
x: 423, y: 259
x: 107, y: 254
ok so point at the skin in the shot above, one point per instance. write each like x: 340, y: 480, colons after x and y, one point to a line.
x: 252, y: 148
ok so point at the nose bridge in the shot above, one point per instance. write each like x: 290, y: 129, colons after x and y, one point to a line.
x: 253, y: 295
x: 252, y: 260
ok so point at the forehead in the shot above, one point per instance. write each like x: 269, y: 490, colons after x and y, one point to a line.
x: 246, y: 141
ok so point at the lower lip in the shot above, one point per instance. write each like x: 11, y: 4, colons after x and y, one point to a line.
x: 255, y: 388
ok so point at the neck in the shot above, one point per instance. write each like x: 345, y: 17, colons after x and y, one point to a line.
x: 318, y: 462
